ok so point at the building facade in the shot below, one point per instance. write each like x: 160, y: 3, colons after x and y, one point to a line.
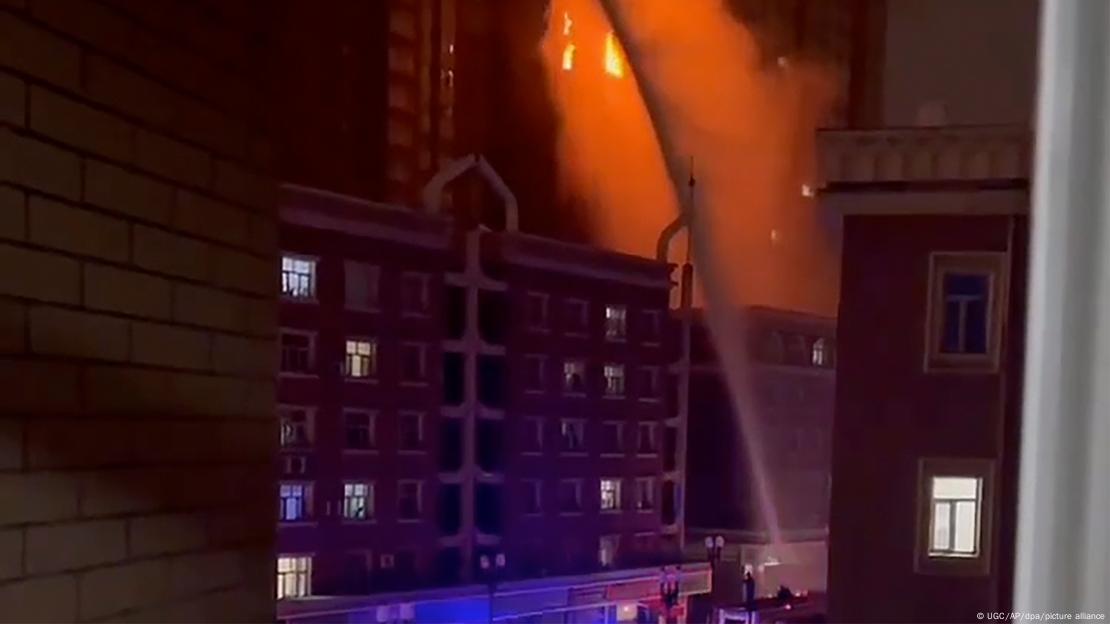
x: 459, y: 403
x: 791, y: 367
x: 934, y: 207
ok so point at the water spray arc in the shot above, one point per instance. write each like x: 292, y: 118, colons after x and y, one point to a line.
x: 727, y: 326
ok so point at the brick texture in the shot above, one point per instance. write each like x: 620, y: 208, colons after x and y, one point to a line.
x: 137, y: 315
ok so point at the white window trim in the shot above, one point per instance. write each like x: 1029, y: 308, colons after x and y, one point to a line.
x: 310, y: 425
x: 308, y: 573
x: 373, y: 420
x: 619, y: 491
x: 605, y: 394
x: 315, y: 279
x: 992, y: 263
x: 371, y: 503
x: 421, y: 421
x: 373, y: 377
x: 309, y: 517
x: 978, y: 565
x: 312, y: 347
x: 419, y: 501
x: 424, y: 380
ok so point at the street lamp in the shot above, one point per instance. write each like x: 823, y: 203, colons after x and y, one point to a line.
x: 715, y: 548
x: 668, y: 590
x: 492, y: 569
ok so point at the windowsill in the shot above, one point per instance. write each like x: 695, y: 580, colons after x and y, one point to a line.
x: 297, y: 523
x: 650, y: 400
x: 365, y: 381
x: 573, y: 453
x: 613, y: 397
x: 409, y: 520
x: 296, y: 375
x: 575, y: 395
x: 650, y: 510
x: 414, y: 383
x: 570, y: 334
x: 412, y: 452
x: 615, y: 454
x: 358, y: 522
x: 531, y: 453
x: 296, y: 449
x: 353, y: 451
x: 295, y: 299
x: 416, y: 315
x: 363, y: 310
x: 611, y: 512
x: 569, y: 514
x: 651, y: 455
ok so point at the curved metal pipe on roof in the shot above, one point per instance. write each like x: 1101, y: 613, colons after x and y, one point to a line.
x: 432, y: 194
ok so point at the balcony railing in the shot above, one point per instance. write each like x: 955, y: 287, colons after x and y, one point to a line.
x: 892, y: 155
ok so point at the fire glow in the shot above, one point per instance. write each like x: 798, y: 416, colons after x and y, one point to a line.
x: 612, y: 60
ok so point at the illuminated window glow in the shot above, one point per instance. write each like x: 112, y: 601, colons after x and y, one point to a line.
x: 614, y: 66
x: 954, y: 522
x: 294, y: 577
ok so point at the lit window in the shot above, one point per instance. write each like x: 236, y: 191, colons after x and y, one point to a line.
x: 574, y: 377
x: 414, y: 363
x: 649, y: 383
x: 411, y: 427
x: 820, y: 353
x: 614, y: 380
x: 616, y: 322
x: 570, y: 496
x: 296, y: 502
x: 298, y: 277
x: 294, y: 576
x: 652, y: 326
x: 358, y: 501
x: 646, y: 443
x: 296, y: 427
x: 533, y: 435
x: 533, y: 497
x: 359, y: 434
x: 577, y: 317
x: 296, y: 352
x: 537, y: 311
x: 612, y: 442
x: 607, y: 546
x: 414, y: 294
x: 362, y: 359
x: 966, y: 293
x: 954, y: 527
x: 534, y: 372
x: 361, y: 285
x: 645, y: 494
x: 610, y: 494
x: 573, y: 434
x: 408, y: 500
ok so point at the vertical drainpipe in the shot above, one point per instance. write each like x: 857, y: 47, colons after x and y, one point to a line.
x: 686, y: 294
x: 471, y: 342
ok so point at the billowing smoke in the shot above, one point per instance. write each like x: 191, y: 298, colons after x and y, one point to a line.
x: 688, y: 95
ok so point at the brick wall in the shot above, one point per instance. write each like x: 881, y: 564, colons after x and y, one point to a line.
x: 137, y: 313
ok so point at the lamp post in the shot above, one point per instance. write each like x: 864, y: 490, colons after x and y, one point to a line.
x: 715, y: 549
x: 492, y: 569
x: 668, y: 591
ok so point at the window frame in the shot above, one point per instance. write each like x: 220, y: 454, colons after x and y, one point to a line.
x: 538, y: 440
x: 312, y: 347
x: 425, y: 294
x: 310, y: 426
x: 368, y: 503
x: 422, y: 349
x: 581, y: 426
x: 306, y: 573
x: 650, y: 482
x: 307, y: 514
x: 372, y: 428
x: 620, y: 451
x: 622, y: 336
x: 994, y: 265
x: 375, y: 352
x: 544, y: 325
x: 577, y: 483
x: 617, y: 484
x: 530, y: 358
x: 654, y: 338
x: 654, y: 437
x: 623, y: 377
x: 925, y: 561
x: 613, y: 539
x: 421, y: 447
x: 534, y: 493
x: 582, y: 331
x: 584, y: 376
x: 656, y: 375
x: 373, y: 269
x: 313, y: 297
x: 419, y: 517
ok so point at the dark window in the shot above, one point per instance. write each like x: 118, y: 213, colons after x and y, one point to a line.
x: 573, y: 435
x: 408, y: 500
x: 670, y: 448
x: 414, y: 293
x: 450, y: 444
x: 296, y: 427
x: 411, y: 428
x: 651, y: 329
x: 534, y: 372
x: 649, y: 382
x: 359, y: 427
x: 296, y: 353
x: 537, y: 311
x: 414, y: 362
x: 532, y: 496
x: 646, y: 443
x: 612, y: 437
x: 356, y: 572
x: 492, y: 316
x: 450, y: 508
x: 490, y: 445
x: 456, y: 312
x: 669, y: 502
x: 454, y: 380
x: 966, y: 313
x: 491, y: 380
x: 576, y: 317
x: 570, y: 496
x: 574, y: 377
x: 532, y: 436
x: 448, y: 566
x: 487, y: 508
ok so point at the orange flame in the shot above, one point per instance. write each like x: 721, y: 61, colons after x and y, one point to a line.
x: 614, y: 66
x: 567, y: 23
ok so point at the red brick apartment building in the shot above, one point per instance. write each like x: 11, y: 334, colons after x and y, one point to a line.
x: 928, y: 399
x: 792, y: 367
x: 448, y: 394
